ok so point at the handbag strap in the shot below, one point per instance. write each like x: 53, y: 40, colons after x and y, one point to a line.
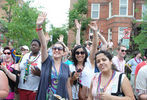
x: 119, y: 86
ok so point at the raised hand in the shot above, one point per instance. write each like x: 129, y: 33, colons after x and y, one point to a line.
x: 41, y: 18
x: 61, y: 37
x: 78, y: 25
x: 93, y: 26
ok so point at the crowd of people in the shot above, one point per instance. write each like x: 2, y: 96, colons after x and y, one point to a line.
x: 87, y: 72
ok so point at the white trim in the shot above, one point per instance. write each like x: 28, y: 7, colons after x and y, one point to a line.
x: 109, y: 34
x: 110, y: 9
x: 129, y: 16
x: 97, y: 10
x: 126, y: 8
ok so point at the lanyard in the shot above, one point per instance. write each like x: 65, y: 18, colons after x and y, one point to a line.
x: 99, y: 81
x: 28, y: 63
x: 137, y: 61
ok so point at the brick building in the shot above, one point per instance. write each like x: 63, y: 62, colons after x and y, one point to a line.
x: 114, y: 16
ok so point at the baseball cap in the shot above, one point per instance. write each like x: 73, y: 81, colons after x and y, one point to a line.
x: 25, y: 47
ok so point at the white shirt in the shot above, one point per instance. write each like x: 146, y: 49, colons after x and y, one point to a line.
x: 120, y: 65
x: 141, y: 81
x: 111, y: 88
x: 85, y: 78
x: 110, y: 44
x: 32, y: 80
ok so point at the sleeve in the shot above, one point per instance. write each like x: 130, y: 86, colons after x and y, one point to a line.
x: 130, y: 62
x: 141, y: 82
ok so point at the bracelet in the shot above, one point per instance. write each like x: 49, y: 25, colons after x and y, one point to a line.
x: 38, y: 29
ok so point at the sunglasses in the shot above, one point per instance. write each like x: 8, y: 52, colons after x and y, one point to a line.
x: 7, y: 53
x: 82, y: 53
x: 57, y: 48
x: 123, y: 50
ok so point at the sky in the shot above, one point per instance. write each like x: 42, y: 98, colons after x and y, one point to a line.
x: 57, y: 10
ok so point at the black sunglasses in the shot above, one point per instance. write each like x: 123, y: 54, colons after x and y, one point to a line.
x: 123, y: 50
x: 7, y: 53
x: 57, y: 48
x: 82, y: 52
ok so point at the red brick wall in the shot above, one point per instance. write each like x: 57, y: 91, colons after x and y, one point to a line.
x: 104, y: 22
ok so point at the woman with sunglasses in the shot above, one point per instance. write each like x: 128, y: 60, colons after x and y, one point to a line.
x: 109, y: 84
x: 55, y: 81
x: 82, y: 68
x: 11, y: 70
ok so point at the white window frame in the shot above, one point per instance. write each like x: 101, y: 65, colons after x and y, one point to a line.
x: 98, y: 10
x: 143, y: 6
x: 109, y: 34
x: 110, y: 9
x: 120, y: 33
x: 122, y: 5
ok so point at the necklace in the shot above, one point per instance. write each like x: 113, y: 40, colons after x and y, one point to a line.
x: 28, y: 63
x: 137, y: 61
x: 105, y: 87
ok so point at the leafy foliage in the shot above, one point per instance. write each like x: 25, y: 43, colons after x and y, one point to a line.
x: 56, y: 32
x: 141, y: 38
x: 21, y: 23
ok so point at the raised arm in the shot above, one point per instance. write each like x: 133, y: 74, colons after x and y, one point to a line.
x: 93, y: 26
x: 78, y: 27
x: 104, y: 46
x: 40, y: 20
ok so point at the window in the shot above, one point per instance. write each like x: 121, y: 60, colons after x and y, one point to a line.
x: 109, y: 34
x: 123, y: 7
x: 144, y: 10
x: 110, y: 9
x: 95, y: 11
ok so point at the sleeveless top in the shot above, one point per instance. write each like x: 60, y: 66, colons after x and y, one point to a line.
x: 44, y: 80
x: 112, y: 88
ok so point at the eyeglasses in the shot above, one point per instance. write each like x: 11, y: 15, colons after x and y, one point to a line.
x: 82, y: 53
x: 57, y: 48
x: 123, y: 50
x: 7, y: 53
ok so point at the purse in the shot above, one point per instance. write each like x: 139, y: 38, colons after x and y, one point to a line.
x: 83, y: 92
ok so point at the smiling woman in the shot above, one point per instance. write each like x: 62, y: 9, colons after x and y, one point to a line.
x: 55, y: 75
x: 109, y: 84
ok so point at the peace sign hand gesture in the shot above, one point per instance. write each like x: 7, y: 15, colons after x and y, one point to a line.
x: 41, y: 18
x: 93, y: 26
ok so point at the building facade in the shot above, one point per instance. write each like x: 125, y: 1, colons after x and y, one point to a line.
x: 114, y: 17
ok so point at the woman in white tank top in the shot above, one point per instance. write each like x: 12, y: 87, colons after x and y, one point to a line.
x: 104, y: 85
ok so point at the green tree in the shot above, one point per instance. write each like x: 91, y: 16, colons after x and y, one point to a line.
x: 56, y: 32
x: 79, y: 12
x: 21, y: 23
x: 141, y: 38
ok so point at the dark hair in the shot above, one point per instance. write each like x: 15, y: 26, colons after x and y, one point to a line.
x: 136, y: 53
x: 8, y: 48
x: 36, y: 40
x: 74, y: 57
x: 109, y: 56
x: 60, y: 44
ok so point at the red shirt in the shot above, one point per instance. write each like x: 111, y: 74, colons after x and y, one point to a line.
x: 139, y: 66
